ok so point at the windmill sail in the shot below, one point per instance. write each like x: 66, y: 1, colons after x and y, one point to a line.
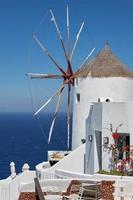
x: 67, y: 75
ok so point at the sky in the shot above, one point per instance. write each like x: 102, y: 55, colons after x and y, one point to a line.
x: 105, y: 20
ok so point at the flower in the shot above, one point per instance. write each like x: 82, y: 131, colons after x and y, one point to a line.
x: 116, y: 135
x: 126, y: 148
x: 128, y: 159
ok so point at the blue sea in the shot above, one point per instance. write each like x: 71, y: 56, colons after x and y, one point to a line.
x: 23, y: 139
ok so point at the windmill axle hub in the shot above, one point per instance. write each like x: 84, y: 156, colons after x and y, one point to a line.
x: 69, y: 80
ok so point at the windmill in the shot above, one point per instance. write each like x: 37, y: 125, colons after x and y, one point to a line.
x: 67, y: 76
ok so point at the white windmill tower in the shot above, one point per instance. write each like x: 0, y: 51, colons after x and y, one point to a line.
x: 103, y: 79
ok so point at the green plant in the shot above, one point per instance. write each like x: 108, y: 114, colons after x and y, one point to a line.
x: 112, y: 172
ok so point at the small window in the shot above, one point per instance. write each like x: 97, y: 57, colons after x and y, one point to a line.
x: 98, y: 99
x: 78, y: 97
x: 104, y: 99
x: 107, y: 100
x: 76, y: 82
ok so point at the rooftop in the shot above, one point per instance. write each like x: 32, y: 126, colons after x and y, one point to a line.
x: 105, y: 64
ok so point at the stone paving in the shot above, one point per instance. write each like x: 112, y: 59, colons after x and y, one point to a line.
x: 107, y: 190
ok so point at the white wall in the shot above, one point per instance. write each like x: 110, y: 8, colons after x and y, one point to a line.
x: 10, y: 188
x: 73, y: 162
x: 116, y: 113
x: 55, y: 185
x: 94, y: 122
x: 104, y: 114
x: 116, y: 88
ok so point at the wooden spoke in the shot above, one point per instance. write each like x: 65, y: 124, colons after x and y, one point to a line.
x: 41, y: 76
x: 49, y: 100
x: 76, y: 40
x: 60, y: 37
x: 68, y: 34
x: 47, y: 53
x: 84, y: 62
x: 69, y: 70
x: 59, y: 33
x: 55, y: 115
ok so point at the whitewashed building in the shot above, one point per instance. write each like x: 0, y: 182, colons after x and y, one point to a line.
x: 103, y: 97
x: 103, y: 104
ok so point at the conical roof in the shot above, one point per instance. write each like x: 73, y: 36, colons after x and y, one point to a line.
x: 105, y: 64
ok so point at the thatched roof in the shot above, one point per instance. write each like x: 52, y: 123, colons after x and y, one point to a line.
x: 105, y: 64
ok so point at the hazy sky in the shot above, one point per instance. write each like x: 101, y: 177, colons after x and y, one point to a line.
x: 105, y: 20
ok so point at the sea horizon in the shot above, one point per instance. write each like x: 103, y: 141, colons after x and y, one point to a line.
x: 24, y: 139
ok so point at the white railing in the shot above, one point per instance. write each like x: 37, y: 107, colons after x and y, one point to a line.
x: 123, y: 189
x: 4, y: 192
x: 27, y: 187
x: 47, y: 175
x: 71, y: 175
x: 60, y: 185
x: 10, y: 188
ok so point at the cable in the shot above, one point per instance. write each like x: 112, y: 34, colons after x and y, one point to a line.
x: 37, y: 117
x: 42, y: 21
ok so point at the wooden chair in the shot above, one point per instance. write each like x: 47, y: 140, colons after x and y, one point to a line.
x: 88, y: 190
x: 76, y: 193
